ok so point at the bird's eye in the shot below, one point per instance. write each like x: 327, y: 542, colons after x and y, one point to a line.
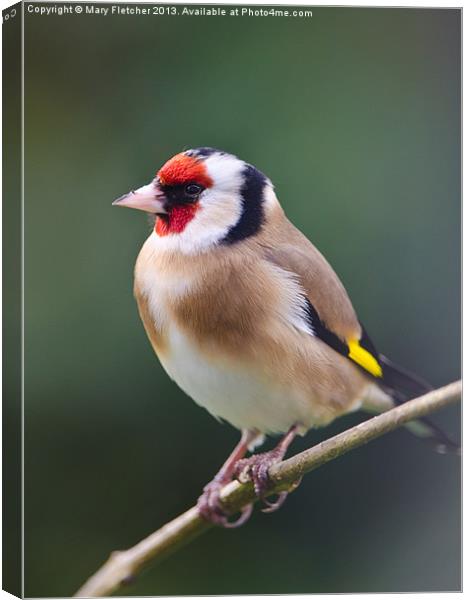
x: 193, y: 189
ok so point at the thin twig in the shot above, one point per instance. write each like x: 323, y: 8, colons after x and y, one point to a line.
x: 122, y: 567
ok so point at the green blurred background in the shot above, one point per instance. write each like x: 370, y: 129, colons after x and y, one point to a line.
x: 355, y: 115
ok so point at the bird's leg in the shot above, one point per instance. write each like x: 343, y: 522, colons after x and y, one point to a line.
x: 255, y: 468
x: 209, y: 504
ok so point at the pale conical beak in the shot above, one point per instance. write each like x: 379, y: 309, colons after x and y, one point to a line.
x: 148, y: 198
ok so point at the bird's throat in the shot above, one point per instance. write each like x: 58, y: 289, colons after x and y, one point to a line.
x: 176, y: 220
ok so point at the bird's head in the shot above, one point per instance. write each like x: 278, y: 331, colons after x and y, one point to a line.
x: 204, y: 197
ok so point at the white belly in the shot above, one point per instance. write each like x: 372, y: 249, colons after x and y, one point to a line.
x: 232, y: 392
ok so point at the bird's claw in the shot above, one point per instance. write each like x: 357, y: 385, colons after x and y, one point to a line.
x: 273, y: 506
x: 210, y: 508
x: 255, y: 469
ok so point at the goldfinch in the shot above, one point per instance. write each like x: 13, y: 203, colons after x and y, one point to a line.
x: 248, y: 317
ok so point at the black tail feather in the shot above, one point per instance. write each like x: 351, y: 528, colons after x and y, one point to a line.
x: 398, y: 378
x: 403, y: 386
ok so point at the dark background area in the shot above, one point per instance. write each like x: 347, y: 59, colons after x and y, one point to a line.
x: 355, y: 115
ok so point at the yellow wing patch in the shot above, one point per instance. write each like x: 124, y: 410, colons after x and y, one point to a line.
x: 364, y: 358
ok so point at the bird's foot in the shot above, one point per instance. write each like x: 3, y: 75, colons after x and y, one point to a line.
x: 211, y: 509
x: 255, y: 469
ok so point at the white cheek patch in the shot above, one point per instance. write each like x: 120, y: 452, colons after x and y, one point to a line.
x: 219, y: 211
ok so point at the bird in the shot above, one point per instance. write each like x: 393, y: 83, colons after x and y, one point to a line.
x: 251, y: 321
